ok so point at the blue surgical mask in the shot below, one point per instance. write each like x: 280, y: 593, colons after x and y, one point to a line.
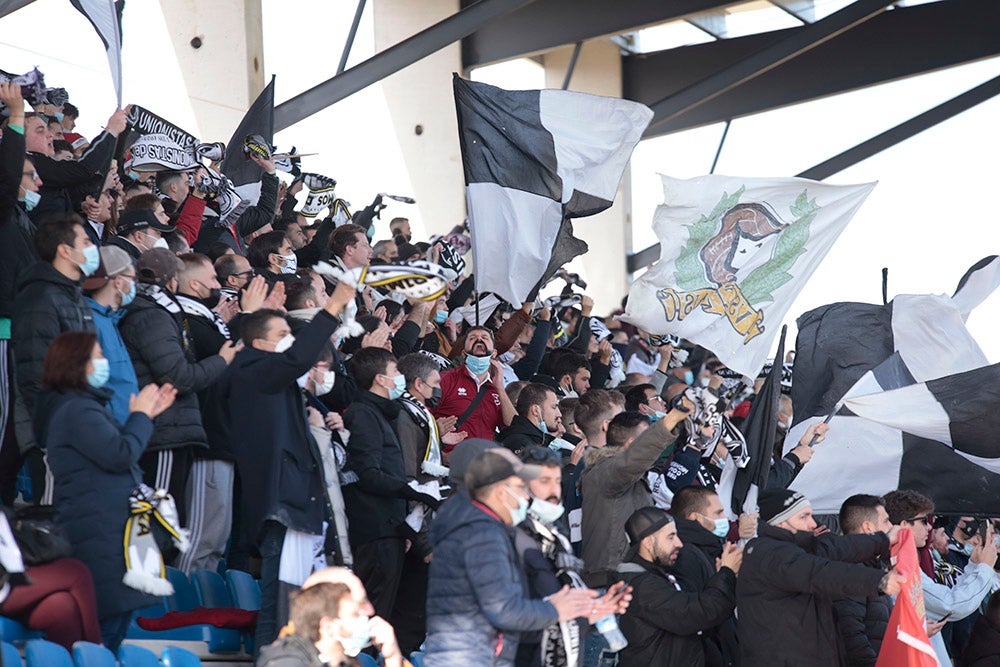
x: 721, y: 527
x: 400, y: 387
x: 91, y: 260
x: 968, y: 548
x: 31, y: 199
x: 657, y: 416
x: 543, y: 427
x: 129, y: 296
x: 545, y: 511
x: 477, y: 365
x: 441, y: 316
x: 519, y: 513
x: 59, y: 116
x: 689, y: 378
x: 360, y: 637
x: 102, y: 371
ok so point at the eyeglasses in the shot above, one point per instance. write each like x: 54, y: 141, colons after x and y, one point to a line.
x: 926, y: 520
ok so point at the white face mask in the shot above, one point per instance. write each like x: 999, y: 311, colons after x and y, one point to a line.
x: 326, y: 385
x: 284, y: 343
x: 291, y: 263
x: 161, y: 243
x: 545, y: 511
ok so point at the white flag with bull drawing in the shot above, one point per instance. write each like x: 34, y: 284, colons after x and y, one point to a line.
x: 734, y: 254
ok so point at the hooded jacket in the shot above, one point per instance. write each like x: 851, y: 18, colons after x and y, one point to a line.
x: 122, y: 381
x: 785, y: 594
x: 613, y: 485
x: 522, y: 434
x: 47, y: 304
x: 477, y: 595
x: 694, y: 568
x: 664, y: 621
x: 94, y: 463
x: 161, y: 352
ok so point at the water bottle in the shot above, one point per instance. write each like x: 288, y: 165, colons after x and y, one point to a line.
x: 608, y: 627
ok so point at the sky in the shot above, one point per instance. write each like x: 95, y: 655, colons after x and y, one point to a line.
x: 930, y: 217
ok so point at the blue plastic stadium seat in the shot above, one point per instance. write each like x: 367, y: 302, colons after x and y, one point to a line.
x: 211, y: 589
x: 86, y: 654
x: 173, y: 656
x: 40, y: 653
x: 185, y: 597
x: 366, y: 660
x: 244, y: 588
x: 416, y: 658
x: 11, y: 658
x: 136, y: 656
x: 14, y: 632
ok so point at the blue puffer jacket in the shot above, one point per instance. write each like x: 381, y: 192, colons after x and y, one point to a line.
x: 477, y: 595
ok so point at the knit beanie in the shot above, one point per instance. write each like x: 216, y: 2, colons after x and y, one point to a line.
x: 778, y: 505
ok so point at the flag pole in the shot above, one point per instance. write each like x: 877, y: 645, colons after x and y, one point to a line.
x: 835, y: 410
x: 477, y: 308
x: 885, y: 285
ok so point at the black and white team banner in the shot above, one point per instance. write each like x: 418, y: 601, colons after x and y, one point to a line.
x: 106, y: 17
x: 533, y: 160
x: 916, y: 400
x: 259, y: 120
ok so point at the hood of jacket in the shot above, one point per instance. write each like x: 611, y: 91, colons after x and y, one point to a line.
x: 45, y: 272
x: 389, y: 409
x: 693, y: 534
x: 456, y: 514
x: 523, y: 426
x: 595, y: 455
x: 48, y: 401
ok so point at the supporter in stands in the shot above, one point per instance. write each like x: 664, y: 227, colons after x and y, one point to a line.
x: 109, y: 291
x: 153, y: 331
x: 474, y: 392
x: 271, y: 256
x: 282, y: 485
x: 537, y: 421
x: 140, y: 229
x: 94, y: 463
x: 49, y: 301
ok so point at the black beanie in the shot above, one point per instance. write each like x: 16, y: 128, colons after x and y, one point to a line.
x: 778, y: 505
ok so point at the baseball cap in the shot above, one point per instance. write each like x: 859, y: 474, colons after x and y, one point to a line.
x: 462, y: 456
x: 143, y: 218
x: 157, y: 266
x: 644, y: 522
x: 114, y: 260
x: 495, y: 465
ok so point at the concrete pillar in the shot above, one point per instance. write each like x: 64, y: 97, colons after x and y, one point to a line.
x: 609, y: 234
x: 220, y: 50
x: 422, y: 108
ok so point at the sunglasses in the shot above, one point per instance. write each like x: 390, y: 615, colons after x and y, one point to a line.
x: 541, y: 455
x: 926, y: 520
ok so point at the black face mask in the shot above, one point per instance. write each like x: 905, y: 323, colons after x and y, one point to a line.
x: 435, y: 398
x: 212, y: 300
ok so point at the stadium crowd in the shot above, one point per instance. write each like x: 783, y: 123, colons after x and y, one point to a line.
x: 532, y: 486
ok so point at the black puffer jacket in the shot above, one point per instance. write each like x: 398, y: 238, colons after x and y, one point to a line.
x: 161, y: 353
x: 47, y: 304
x: 785, y: 594
x: 663, y: 623
x: 376, y: 505
x: 17, y: 231
x: 984, y: 645
x: 861, y: 622
x: 522, y: 434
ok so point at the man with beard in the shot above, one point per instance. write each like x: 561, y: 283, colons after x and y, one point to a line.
x: 664, y: 623
x: 474, y: 392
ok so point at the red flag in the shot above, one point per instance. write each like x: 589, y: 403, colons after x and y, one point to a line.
x: 906, y: 643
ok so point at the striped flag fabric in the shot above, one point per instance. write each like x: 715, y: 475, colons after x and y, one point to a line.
x: 533, y: 160
x: 918, y: 400
x: 106, y: 17
x: 259, y: 120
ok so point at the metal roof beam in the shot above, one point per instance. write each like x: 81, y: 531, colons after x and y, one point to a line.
x: 393, y: 59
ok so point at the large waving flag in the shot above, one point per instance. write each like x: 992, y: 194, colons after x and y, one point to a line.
x: 735, y: 252
x: 259, y: 120
x: 534, y: 159
x: 106, y: 17
x: 918, y: 396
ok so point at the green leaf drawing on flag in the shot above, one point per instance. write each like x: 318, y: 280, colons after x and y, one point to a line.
x: 689, y: 270
x: 762, y: 282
